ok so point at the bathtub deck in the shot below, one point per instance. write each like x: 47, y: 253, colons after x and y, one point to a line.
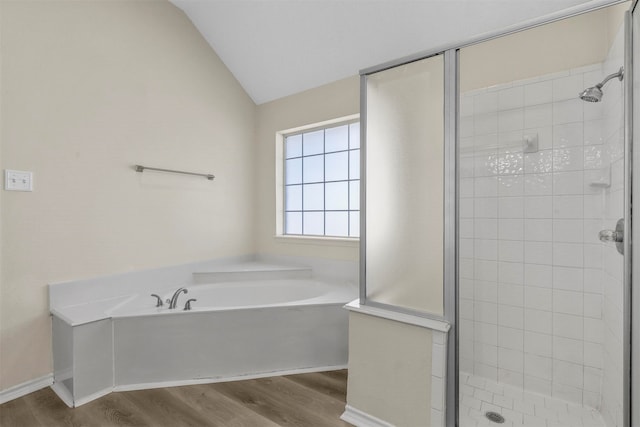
x: 315, y: 399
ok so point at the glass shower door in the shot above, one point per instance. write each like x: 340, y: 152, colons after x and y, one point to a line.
x: 542, y: 316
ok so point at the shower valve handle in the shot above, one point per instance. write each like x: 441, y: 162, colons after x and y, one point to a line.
x: 158, y: 300
x: 610, y: 236
x: 614, y: 236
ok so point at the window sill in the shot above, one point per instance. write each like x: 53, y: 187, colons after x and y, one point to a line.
x: 352, y: 242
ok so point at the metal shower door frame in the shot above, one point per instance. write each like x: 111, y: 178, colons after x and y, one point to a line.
x: 631, y: 299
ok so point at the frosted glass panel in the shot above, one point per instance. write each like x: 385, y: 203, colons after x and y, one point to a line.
x: 337, y: 196
x: 313, y: 168
x: 293, y: 146
x: 313, y: 142
x: 313, y: 197
x: 313, y: 223
x: 337, y: 166
x: 337, y: 223
x: 336, y: 139
x: 322, y: 174
x: 354, y: 195
x: 293, y: 223
x: 354, y: 135
x: 293, y: 174
x: 354, y: 224
x: 354, y: 164
x: 293, y: 171
x: 293, y: 198
x: 404, y: 242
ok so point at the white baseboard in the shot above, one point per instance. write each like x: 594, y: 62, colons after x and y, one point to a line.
x: 25, y: 388
x: 359, y: 418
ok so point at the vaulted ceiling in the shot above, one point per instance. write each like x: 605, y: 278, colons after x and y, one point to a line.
x: 277, y: 48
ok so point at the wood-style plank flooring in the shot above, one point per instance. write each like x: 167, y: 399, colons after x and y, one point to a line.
x: 309, y: 400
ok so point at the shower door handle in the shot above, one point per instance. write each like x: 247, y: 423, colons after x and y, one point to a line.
x: 615, y: 236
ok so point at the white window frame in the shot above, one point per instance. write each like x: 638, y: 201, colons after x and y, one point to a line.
x: 279, y: 172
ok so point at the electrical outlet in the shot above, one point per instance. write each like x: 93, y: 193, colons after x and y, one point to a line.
x: 18, y: 180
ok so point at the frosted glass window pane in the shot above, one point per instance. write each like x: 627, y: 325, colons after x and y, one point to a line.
x: 354, y: 195
x: 293, y: 171
x: 313, y: 168
x: 337, y: 166
x: 293, y: 198
x: 354, y: 224
x: 354, y: 135
x: 337, y: 196
x: 293, y: 223
x: 336, y: 139
x: 337, y: 224
x: 293, y: 146
x: 405, y: 139
x: 317, y: 171
x: 314, y: 223
x: 354, y: 164
x: 313, y: 143
x: 313, y: 197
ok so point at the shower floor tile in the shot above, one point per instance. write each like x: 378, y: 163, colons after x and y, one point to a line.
x: 519, y: 408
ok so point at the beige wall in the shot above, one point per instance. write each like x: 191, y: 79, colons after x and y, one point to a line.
x: 562, y: 45
x: 88, y: 90
x: 338, y: 99
x: 390, y: 370
x: 615, y: 20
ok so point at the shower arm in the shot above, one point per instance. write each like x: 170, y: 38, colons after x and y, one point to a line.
x: 618, y: 74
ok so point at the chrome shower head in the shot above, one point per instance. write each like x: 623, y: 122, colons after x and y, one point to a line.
x: 594, y: 93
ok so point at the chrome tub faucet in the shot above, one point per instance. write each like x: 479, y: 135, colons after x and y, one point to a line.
x: 174, y: 299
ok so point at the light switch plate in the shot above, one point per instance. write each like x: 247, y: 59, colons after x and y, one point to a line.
x: 18, y: 180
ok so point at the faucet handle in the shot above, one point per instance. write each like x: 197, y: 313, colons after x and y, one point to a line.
x: 187, y: 305
x: 159, y: 300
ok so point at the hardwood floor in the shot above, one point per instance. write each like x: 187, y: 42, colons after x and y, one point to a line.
x: 309, y: 400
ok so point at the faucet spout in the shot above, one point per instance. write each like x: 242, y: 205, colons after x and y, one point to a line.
x: 174, y: 298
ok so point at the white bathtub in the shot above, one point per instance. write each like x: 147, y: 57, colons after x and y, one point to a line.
x: 238, y: 296
x: 261, y: 293
x: 239, y: 329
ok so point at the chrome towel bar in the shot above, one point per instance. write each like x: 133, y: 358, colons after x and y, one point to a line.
x: 142, y: 169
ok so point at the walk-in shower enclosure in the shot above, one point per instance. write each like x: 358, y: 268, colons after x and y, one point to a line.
x: 497, y: 189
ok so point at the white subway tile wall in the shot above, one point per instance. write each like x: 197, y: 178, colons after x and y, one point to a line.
x: 540, y: 296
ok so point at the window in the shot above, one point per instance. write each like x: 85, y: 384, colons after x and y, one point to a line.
x: 322, y: 181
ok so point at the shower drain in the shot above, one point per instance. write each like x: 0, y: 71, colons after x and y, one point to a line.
x: 494, y: 417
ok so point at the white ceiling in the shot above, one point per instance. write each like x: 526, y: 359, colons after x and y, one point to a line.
x: 277, y: 48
